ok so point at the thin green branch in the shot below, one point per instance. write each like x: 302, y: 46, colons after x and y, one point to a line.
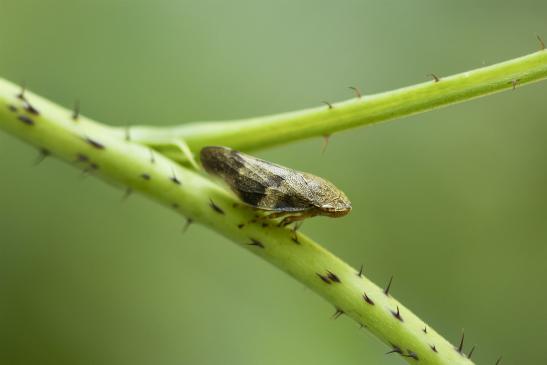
x: 272, y: 130
x: 91, y: 146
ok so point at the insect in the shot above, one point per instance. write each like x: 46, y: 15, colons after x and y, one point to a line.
x: 287, y: 193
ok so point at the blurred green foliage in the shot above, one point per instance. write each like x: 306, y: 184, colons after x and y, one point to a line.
x: 452, y: 202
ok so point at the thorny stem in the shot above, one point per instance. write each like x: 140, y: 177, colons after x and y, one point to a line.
x: 88, y: 145
x: 107, y: 153
x: 261, y: 132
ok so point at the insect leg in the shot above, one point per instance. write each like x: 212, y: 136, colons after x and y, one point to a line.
x: 296, y: 217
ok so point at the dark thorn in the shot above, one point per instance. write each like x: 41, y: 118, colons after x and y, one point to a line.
x: 152, y: 158
x: 145, y: 176
x: 460, y: 347
x: 29, y: 108
x: 471, y: 352
x: 435, y: 77
x: 360, y: 273
x: 433, y: 348
x: 514, y: 83
x: 76, y: 111
x: 26, y: 120
x: 80, y: 157
x: 425, y: 329
x: 323, y: 278
x: 541, y: 43
x: 498, y: 361
x: 357, y: 91
x: 395, y: 350
x: 367, y: 299
x: 337, y: 314
x: 386, y: 290
x: 43, y: 153
x: 127, y: 193
x: 174, y: 177
x: 128, y: 134
x: 215, y: 207
x: 264, y: 225
x: 327, y: 104
x: 12, y: 108
x: 326, y: 139
x: 175, y: 206
x: 412, y: 354
x: 188, y: 222
x: 94, y: 166
x: 332, y: 276
x: 257, y: 243
x: 21, y: 95
x: 94, y: 143
x: 397, y: 314
x: 241, y: 225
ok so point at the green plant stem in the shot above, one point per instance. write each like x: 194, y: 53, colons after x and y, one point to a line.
x: 261, y: 132
x: 91, y: 146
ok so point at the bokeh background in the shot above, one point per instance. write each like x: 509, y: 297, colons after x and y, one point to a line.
x: 452, y: 202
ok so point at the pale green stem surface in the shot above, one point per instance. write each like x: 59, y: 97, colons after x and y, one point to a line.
x: 261, y: 132
x: 91, y: 146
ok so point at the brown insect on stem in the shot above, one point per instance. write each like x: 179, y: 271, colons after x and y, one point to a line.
x: 266, y: 186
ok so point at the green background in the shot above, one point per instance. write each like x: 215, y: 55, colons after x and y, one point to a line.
x: 452, y: 202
